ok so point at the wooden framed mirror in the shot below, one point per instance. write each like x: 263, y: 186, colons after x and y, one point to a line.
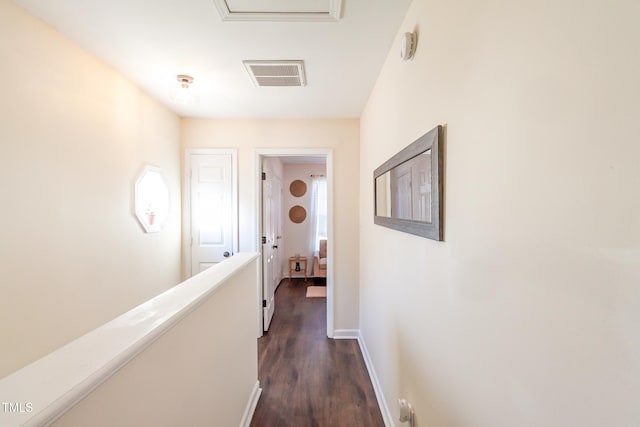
x: 408, y: 188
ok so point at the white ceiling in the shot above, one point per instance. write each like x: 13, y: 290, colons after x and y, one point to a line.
x: 150, y: 42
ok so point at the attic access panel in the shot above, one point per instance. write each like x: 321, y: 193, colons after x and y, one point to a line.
x: 279, y: 10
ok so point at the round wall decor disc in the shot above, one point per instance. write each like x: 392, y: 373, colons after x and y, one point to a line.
x: 298, y: 188
x: 297, y: 214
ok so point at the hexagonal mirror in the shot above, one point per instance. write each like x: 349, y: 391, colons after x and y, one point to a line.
x: 151, y: 199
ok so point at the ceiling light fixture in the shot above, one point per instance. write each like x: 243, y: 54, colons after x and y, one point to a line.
x: 184, y: 95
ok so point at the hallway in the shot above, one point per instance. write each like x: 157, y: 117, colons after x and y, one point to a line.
x: 308, y: 379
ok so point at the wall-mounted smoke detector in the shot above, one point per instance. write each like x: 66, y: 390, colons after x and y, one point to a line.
x: 184, y: 94
x: 408, y: 45
x: 276, y: 73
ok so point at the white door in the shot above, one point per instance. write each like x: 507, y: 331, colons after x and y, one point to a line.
x: 211, y: 197
x: 270, y: 266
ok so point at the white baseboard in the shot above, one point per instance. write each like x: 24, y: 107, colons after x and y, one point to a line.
x: 382, y: 402
x: 355, y: 334
x: 346, y: 334
x: 251, y: 405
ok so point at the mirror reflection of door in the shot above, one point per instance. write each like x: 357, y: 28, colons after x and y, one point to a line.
x: 401, y: 194
x: 405, y: 191
x: 211, y: 195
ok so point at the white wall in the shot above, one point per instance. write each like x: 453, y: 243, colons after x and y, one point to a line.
x: 341, y: 135
x: 528, y: 313
x: 297, y: 237
x: 73, y: 136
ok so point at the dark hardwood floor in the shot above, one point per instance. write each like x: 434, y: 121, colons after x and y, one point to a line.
x: 307, y: 379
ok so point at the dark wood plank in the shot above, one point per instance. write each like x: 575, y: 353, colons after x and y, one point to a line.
x: 309, y: 380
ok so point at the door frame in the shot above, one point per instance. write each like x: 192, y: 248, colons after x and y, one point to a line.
x: 327, y: 153
x: 186, y: 201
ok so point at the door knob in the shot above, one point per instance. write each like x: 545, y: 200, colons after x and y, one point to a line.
x: 226, y: 254
x: 275, y: 246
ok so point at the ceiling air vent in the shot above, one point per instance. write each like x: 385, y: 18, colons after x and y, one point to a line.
x: 276, y: 73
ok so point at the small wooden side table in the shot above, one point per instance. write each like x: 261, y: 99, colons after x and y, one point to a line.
x: 302, y: 262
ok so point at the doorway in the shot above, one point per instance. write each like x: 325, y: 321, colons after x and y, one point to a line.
x: 265, y: 225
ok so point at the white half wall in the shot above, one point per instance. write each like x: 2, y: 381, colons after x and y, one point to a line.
x: 528, y: 313
x: 202, y: 371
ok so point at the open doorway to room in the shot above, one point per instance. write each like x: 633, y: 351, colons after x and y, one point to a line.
x: 295, y: 224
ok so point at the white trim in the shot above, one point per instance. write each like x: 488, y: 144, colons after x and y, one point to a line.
x: 251, y: 405
x: 257, y: 180
x: 356, y: 334
x: 346, y: 334
x: 186, y: 201
x: 330, y: 244
x: 382, y: 402
x: 259, y: 289
x: 59, y: 380
x: 333, y: 14
x: 327, y: 153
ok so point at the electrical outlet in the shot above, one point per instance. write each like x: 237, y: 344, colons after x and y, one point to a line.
x: 406, y: 411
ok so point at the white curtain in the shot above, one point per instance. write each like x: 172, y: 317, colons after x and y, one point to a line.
x: 318, y: 212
